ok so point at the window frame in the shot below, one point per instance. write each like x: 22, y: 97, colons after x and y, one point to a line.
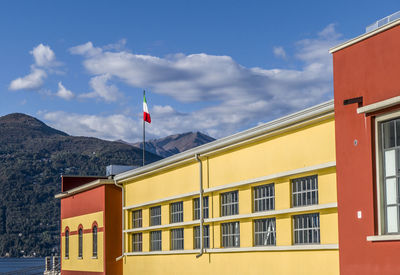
x: 196, y: 201
x: 152, y: 246
x: 306, y: 229
x: 66, y: 243
x: 137, y: 221
x: 95, y: 229
x: 306, y: 191
x: 137, y: 244
x: 176, y: 215
x: 156, y: 217
x: 196, y: 237
x: 80, y: 242
x: 229, y: 204
x: 273, y: 220
x: 177, y: 242
x: 230, y: 234
x: 272, y: 198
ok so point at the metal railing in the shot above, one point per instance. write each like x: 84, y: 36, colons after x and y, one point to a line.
x: 383, y: 21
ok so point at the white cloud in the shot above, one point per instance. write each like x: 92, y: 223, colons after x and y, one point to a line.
x: 63, y: 92
x: 102, y: 90
x: 85, y: 49
x: 279, y: 52
x: 32, y: 81
x: 44, y: 56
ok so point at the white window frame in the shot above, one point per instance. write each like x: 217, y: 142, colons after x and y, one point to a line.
x: 177, y: 236
x: 137, y: 242
x: 155, y: 217
x: 137, y: 218
x: 206, y: 237
x: 196, y: 208
x: 268, y: 198
x: 176, y: 212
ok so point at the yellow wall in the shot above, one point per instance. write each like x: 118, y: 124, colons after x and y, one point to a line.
x: 300, y: 148
x: 87, y: 263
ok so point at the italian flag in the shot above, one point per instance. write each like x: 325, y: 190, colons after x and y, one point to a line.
x: 146, y: 114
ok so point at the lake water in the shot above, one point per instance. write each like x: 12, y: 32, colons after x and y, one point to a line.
x: 14, y: 264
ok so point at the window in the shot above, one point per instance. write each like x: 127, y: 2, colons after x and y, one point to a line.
x: 306, y: 229
x: 264, y: 232
x: 176, y: 210
x: 264, y: 197
x: 155, y: 241
x: 305, y: 191
x: 206, y: 236
x: 229, y: 203
x: 67, y: 243
x: 137, y: 218
x: 196, y: 208
x: 80, y: 242
x: 94, y: 233
x: 230, y: 234
x: 177, y: 239
x: 137, y: 242
x: 390, y: 175
x: 155, y: 215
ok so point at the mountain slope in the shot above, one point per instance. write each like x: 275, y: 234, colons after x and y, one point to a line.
x: 174, y: 144
x: 33, y: 156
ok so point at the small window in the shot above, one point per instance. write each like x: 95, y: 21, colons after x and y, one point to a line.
x: 264, y: 232
x: 196, y: 208
x: 67, y: 243
x: 155, y: 241
x: 80, y: 242
x: 137, y: 242
x: 94, y: 232
x: 264, y: 198
x: 177, y: 239
x: 306, y: 229
x: 230, y: 203
x: 176, y: 210
x: 137, y: 218
x: 305, y: 191
x: 155, y: 215
x: 206, y: 236
x: 230, y: 234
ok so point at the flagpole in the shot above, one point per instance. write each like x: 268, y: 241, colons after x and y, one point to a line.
x: 144, y: 140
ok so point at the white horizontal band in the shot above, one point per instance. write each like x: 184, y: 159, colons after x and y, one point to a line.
x: 379, y: 105
x: 381, y: 238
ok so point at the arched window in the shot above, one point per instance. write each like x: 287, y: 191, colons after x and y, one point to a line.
x: 67, y: 242
x: 94, y: 233
x: 80, y: 242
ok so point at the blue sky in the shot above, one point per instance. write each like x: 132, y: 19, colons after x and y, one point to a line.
x: 212, y: 66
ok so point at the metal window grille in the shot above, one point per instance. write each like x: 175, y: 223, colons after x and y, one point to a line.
x: 305, y: 191
x: 80, y: 243
x: 176, y: 210
x: 206, y: 236
x: 66, y: 244
x: 390, y: 146
x: 94, y: 232
x: 196, y: 208
x: 306, y: 229
x: 230, y: 234
x: 177, y: 239
x: 264, y: 197
x: 137, y: 242
x: 155, y: 215
x: 155, y: 240
x: 265, y: 232
x: 230, y: 203
x: 137, y: 218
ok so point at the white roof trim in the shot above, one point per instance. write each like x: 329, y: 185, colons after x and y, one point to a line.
x: 87, y: 186
x: 281, y: 123
x: 379, y: 105
x: 364, y: 36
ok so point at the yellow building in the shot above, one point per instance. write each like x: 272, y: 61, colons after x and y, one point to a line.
x: 269, y: 203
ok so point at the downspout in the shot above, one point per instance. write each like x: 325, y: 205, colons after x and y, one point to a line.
x: 201, y: 205
x: 123, y: 221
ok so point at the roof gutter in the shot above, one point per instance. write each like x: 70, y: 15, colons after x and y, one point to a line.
x: 123, y: 222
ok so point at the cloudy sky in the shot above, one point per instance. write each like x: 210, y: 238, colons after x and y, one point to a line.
x: 218, y: 67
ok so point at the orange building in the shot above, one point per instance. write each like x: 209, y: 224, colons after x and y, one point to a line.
x: 90, y: 226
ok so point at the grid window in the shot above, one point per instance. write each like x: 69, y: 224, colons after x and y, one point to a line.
x: 196, y: 208
x: 67, y: 244
x: 176, y: 210
x: 390, y: 147
x: 137, y: 242
x: 206, y: 236
x: 230, y: 234
x: 305, y: 191
x: 155, y: 215
x: 264, y: 197
x: 137, y: 218
x: 230, y: 203
x: 264, y: 232
x: 155, y: 240
x: 80, y: 242
x: 306, y: 229
x: 177, y: 239
x: 94, y: 234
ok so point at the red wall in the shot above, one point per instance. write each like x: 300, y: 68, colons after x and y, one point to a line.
x: 90, y: 201
x: 371, y: 69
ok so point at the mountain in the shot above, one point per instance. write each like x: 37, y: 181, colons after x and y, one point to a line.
x: 174, y: 144
x: 33, y: 156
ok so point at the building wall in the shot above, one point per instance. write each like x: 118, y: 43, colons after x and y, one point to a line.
x: 278, y: 159
x: 369, y: 68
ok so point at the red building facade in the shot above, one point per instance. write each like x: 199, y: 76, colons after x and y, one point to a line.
x: 367, y: 126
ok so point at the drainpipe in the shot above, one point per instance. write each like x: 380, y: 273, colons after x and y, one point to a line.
x: 201, y: 205
x: 123, y: 221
